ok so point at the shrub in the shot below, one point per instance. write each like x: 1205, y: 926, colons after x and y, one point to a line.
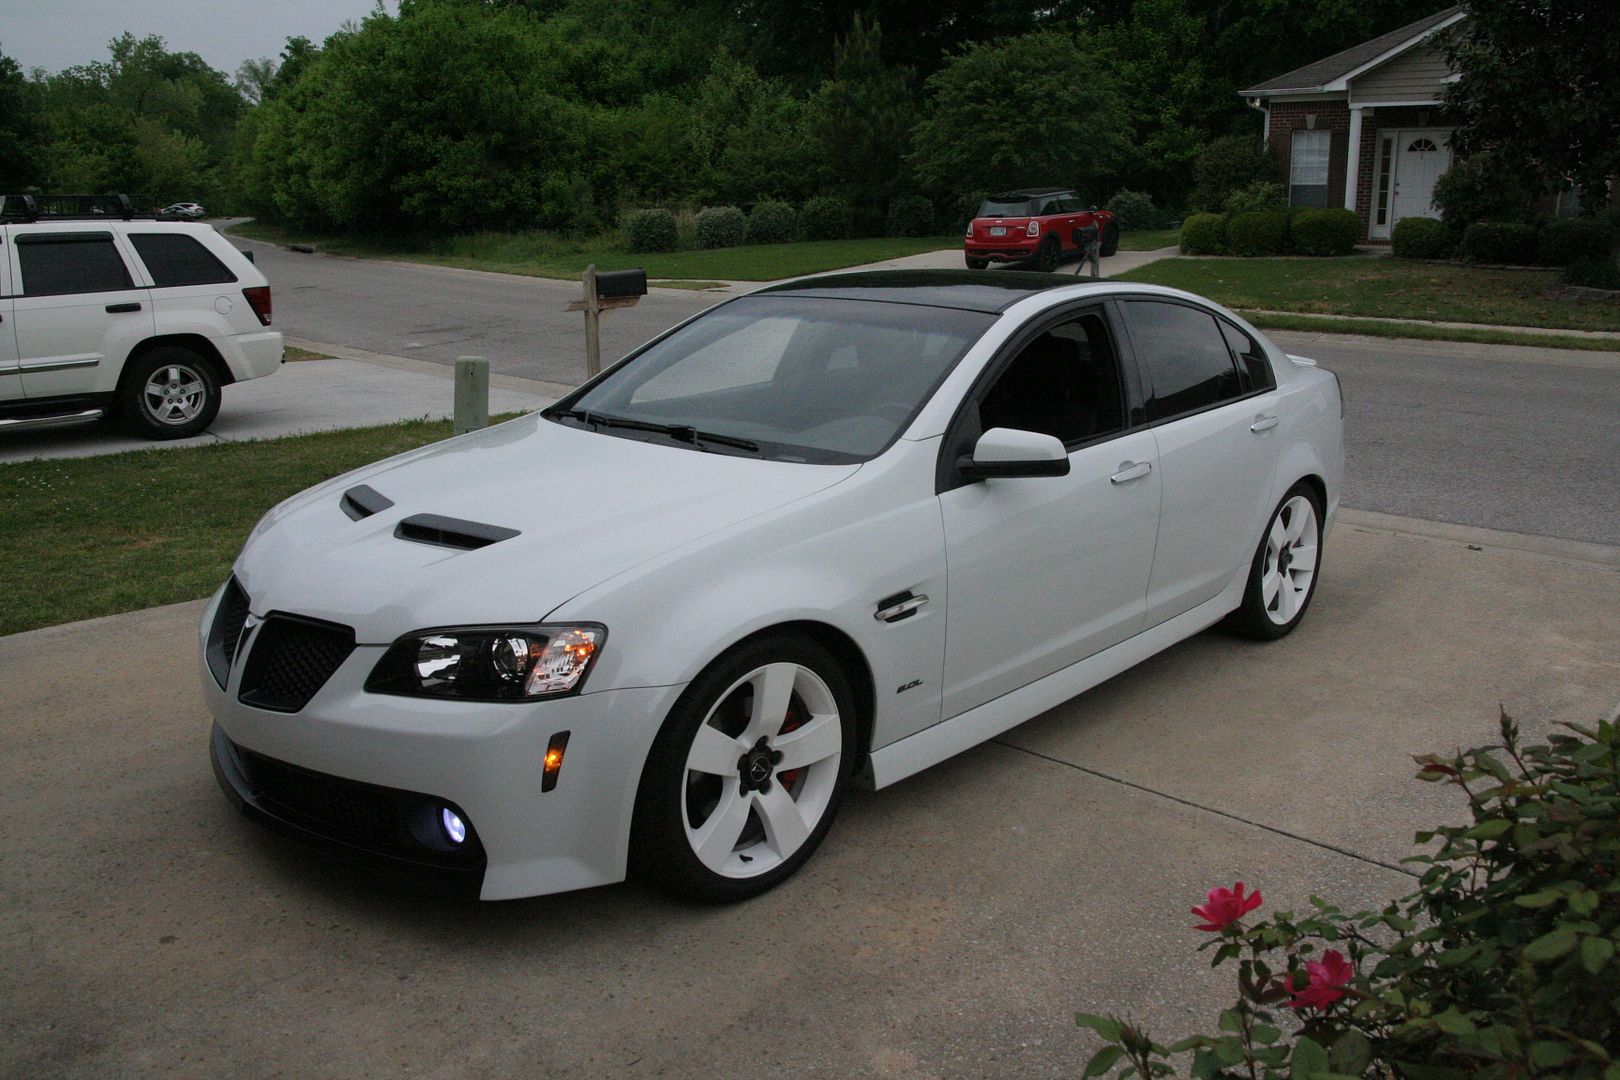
x: 650, y: 230
x: 1325, y: 232
x: 1257, y: 232
x: 1501, y: 964
x: 1260, y: 195
x: 720, y: 226
x: 1134, y: 210
x: 968, y: 207
x: 1227, y: 164
x: 1477, y: 189
x: 911, y: 215
x: 1500, y: 242
x: 1567, y: 241
x: 1593, y: 273
x: 1204, y: 234
x: 1421, y: 238
x: 772, y: 222
x: 826, y: 217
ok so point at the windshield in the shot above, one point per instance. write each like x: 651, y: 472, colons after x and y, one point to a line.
x: 784, y: 377
x: 1004, y: 208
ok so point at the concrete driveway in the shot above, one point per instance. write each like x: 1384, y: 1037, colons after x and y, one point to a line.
x: 949, y: 928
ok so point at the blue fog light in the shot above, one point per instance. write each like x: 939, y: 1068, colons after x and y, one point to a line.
x: 454, y: 827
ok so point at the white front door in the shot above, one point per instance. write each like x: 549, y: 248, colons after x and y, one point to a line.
x: 1421, y: 156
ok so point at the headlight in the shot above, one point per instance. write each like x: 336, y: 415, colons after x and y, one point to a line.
x: 488, y: 663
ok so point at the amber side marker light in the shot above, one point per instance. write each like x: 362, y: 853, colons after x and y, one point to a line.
x: 553, y: 761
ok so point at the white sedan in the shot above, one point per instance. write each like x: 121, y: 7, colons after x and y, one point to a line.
x: 829, y: 533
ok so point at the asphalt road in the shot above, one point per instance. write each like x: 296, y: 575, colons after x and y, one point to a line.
x: 1514, y: 439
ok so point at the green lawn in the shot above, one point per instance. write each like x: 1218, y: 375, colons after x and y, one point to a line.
x: 540, y: 254
x: 1148, y: 239
x: 1382, y: 287
x: 95, y: 536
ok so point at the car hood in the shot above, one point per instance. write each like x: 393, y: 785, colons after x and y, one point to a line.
x: 580, y: 507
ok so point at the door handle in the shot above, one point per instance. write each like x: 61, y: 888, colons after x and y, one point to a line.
x: 899, y: 607
x: 1263, y: 423
x: 119, y: 309
x: 1131, y: 471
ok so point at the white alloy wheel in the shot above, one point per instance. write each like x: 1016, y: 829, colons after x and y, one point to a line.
x: 761, y: 770
x: 1290, y: 561
x: 174, y: 394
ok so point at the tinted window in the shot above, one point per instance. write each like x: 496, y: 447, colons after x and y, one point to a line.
x: 1184, y: 357
x: 1004, y: 208
x: 1070, y: 204
x: 70, y: 263
x: 807, y: 378
x: 176, y: 259
x: 1065, y: 384
x: 1252, y: 363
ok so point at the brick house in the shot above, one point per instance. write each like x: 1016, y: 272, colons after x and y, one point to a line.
x: 1365, y: 128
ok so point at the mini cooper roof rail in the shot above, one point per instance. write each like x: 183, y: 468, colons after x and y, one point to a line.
x: 28, y: 208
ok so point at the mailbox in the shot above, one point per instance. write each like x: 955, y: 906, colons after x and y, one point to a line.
x: 620, y: 283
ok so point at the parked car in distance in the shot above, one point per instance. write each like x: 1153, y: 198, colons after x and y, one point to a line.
x: 1038, y: 227
x: 829, y: 533
x: 130, y: 317
x: 183, y: 209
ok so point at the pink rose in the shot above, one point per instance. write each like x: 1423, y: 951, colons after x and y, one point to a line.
x: 1327, y: 979
x: 1223, y: 907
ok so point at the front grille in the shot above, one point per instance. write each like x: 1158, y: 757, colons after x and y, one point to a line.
x: 390, y: 821
x: 292, y: 658
x: 226, y: 632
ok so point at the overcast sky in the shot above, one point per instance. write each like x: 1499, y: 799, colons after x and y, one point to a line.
x: 54, y: 34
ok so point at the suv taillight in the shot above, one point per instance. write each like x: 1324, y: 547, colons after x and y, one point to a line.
x: 1034, y: 229
x: 258, y: 299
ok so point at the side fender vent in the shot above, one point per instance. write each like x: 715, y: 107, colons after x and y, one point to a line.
x: 363, y: 501
x: 451, y: 532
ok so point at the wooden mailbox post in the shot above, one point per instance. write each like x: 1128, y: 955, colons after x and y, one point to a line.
x: 604, y: 292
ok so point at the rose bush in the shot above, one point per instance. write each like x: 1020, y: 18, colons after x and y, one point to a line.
x: 1501, y: 965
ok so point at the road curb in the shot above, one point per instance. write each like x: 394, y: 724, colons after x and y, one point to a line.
x: 1549, y: 548
x: 538, y: 387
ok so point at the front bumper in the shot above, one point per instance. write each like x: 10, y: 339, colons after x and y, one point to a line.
x: 485, y: 760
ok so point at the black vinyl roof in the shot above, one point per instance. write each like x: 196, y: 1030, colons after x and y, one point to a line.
x: 991, y: 291
x: 1031, y: 193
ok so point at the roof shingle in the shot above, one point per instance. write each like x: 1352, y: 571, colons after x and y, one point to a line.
x: 1314, y: 76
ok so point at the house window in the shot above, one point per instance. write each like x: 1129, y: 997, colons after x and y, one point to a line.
x: 1308, y: 169
x: 1422, y: 146
x: 1386, y: 154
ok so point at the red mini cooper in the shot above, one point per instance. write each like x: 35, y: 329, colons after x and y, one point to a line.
x: 1038, y: 226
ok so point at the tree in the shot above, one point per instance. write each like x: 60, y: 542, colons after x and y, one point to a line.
x: 254, y: 77
x: 1538, y: 88
x: 1030, y: 110
x: 21, y: 166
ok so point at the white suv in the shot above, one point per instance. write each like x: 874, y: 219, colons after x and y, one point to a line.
x: 131, y: 317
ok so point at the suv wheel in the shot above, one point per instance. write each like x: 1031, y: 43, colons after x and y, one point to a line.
x: 168, y: 393
x: 1048, y: 257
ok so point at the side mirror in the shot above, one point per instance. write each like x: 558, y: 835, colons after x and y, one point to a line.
x: 1006, y: 452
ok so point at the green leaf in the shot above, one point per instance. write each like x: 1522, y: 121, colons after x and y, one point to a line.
x: 1350, y: 1053
x: 1453, y: 1022
x: 1549, y: 1055
x: 1544, y: 898
x: 1106, y: 1026
x: 1309, y: 1060
x: 1265, y: 1034
x: 1595, y: 952
x: 1489, y: 830
x: 1583, y: 902
x: 1103, y: 1060
x: 1205, y: 1066
x: 1231, y: 1020
x: 1550, y: 946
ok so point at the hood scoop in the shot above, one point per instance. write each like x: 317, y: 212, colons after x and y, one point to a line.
x: 450, y: 532
x: 363, y: 501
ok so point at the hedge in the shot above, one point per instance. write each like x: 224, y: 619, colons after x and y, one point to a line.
x: 651, y: 230
x: 772, y: 222
x: 720, y: 226
x: 825, y: 217
x: 1325, y: 232
x: 1204, y: 234
x: 911, y: 215
x: 1134, y: 210
x: 1500, y: 242
x: 1421, y: 238
x: 1567, y: 241
x: 1257, y: 232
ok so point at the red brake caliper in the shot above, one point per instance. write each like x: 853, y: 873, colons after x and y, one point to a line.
x: 788, y: 777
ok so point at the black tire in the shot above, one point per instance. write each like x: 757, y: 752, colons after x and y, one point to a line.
x: 1110, y: 239
x: 168, y: 393
x: 1049, y: 255
x: 976, y: 264
x: 673, y: 802
x: 1267, y: 619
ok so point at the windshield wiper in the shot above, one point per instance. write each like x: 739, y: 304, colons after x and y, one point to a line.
x: 683, y: 432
